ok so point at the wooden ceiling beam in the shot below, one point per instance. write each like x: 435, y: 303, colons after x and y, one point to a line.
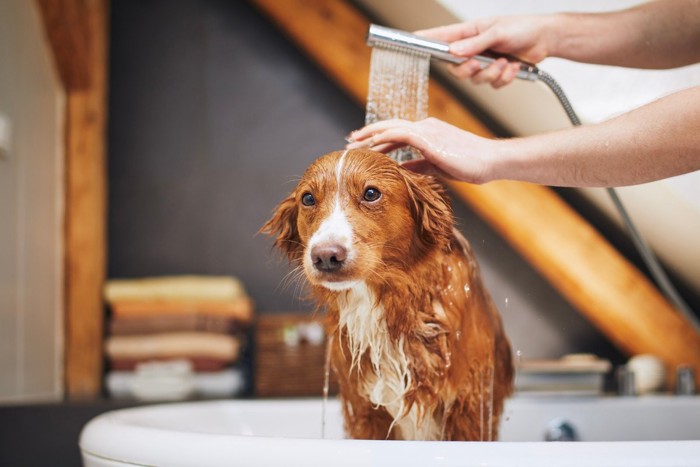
x: 68, y: 30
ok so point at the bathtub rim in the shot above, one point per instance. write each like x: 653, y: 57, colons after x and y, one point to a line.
x: 145, y: 445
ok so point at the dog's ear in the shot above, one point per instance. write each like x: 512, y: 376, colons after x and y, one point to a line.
x: 283, y: 225
x: 431, y: 210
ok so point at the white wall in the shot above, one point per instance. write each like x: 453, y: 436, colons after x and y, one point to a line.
x: 31, y: 210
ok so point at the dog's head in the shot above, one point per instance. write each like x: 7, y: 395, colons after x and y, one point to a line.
x: 355, y: 213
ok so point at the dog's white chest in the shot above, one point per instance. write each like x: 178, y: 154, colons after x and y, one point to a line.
x: 390, y: 379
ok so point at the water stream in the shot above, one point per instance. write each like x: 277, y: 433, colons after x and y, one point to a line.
x: 326, y: 384
x: 398, y: 88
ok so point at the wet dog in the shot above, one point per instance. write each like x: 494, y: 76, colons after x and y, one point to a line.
x: 418, y: 346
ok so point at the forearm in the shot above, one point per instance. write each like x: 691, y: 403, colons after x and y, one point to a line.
x: 658, y: 34
x: 656, y: 141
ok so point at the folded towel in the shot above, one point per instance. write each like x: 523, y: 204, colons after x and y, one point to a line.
x: 189, y: 344
x: 240, y: 308
x: 128, y: 325
x: 174, y: 287
x: 227, y: 383
x: 126, y: 385
x: 162, y: 381
x: 199, y: 364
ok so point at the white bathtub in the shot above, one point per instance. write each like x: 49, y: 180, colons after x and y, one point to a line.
x: 644, y: 431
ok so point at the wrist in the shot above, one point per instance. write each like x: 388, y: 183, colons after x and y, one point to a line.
x: 525, y: 159
x: 503, y: 161
x: 559, y: 32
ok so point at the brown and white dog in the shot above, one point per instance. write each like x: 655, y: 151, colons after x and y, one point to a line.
x: 419, y: 350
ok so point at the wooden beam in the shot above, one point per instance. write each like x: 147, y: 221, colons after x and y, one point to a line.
x: 615, y: 296
x: 559, y: 243
x: 77, y: 32
x: 86, y: 247
x: 67, y: 28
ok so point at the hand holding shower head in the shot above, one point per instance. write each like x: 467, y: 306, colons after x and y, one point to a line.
x: 383, y: 36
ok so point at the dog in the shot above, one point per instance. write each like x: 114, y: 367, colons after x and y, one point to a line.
x: 418, y: 347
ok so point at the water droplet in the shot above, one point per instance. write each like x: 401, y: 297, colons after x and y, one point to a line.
x: 506, y: 302
x: 466, y: 288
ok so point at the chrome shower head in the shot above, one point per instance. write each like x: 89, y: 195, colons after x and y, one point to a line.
x: 388, y: 37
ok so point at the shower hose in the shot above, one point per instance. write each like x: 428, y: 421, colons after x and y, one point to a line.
x: 648, y: 256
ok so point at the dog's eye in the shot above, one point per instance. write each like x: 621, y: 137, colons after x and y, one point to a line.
x: 307, y: 199
x: 372, y: 194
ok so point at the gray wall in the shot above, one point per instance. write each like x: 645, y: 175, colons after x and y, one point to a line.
x: 213, y: 116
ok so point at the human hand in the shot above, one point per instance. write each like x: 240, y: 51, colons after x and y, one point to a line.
x: 447, y: 150
x: 524, y: 37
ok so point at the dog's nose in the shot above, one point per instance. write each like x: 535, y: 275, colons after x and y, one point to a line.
x: 329, y: 257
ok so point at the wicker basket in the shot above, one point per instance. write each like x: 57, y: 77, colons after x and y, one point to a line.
x: 290, y: 355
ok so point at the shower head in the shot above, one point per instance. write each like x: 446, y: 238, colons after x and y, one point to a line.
x: 387, y: 37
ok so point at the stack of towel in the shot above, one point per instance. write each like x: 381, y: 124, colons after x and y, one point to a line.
x: 176, y: 337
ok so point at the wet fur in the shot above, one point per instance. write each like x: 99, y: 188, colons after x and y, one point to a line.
x: 419, y: 350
